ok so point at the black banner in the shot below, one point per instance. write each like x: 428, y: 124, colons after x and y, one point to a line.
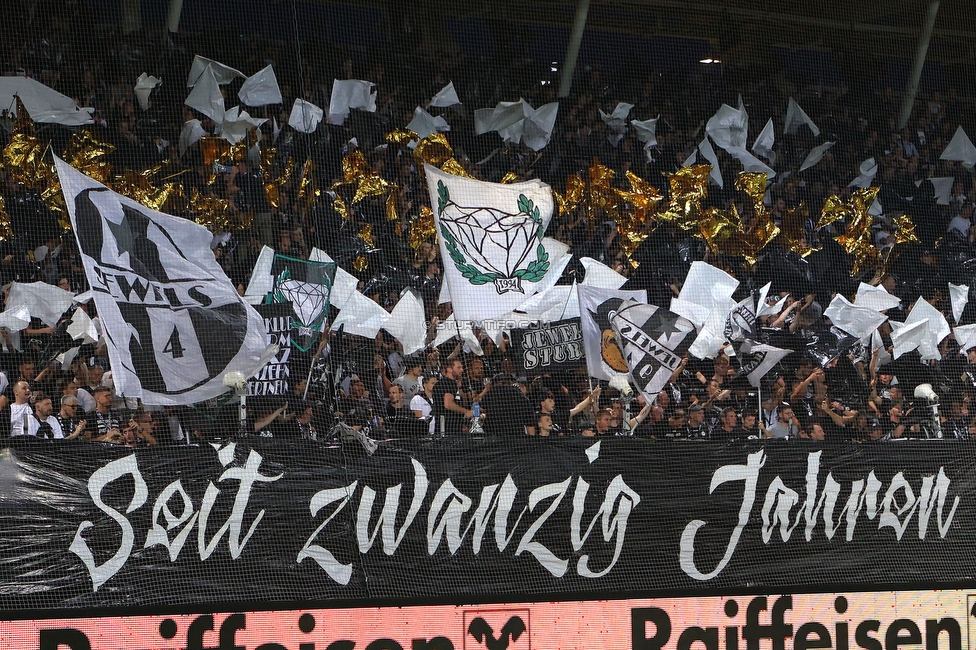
x: 549, y: 347
x: 275, y: 377
x: 277, y: 520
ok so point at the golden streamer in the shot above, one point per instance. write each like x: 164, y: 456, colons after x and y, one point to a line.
x: 510, y: 177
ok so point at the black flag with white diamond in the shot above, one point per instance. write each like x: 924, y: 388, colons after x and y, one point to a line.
x: 653, y: 341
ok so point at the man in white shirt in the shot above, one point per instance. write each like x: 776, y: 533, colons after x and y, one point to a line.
x: 20, y: 411
x: 42, y: 424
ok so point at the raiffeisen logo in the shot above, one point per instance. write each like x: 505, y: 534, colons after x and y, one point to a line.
x: 911, y: 620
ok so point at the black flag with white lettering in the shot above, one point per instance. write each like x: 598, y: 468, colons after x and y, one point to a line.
x: 172, y: 320
x: 653, y: 341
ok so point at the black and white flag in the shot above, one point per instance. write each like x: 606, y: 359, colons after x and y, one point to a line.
x: 653, y: 341
x: 758, y: 359
x: 172, y: 320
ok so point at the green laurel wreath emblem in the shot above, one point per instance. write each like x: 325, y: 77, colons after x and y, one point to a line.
x: 534, y: 272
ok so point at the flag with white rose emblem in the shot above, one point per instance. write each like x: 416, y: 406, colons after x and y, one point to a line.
x: 493, y: 243
x: 653, y: 341
x: 173, y: 322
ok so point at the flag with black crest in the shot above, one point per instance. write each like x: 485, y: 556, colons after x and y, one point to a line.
x: 758, y: 359
x: 653, y: 341
x: 741, y: 321
x: 173, y: 322
x: 597, y: 305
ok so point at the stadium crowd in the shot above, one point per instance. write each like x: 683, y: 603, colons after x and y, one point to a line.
x: 821, y: 391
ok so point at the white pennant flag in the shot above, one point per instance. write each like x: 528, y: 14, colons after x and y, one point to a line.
x: 816, y: 155
x: 206, y: 97
x: 795, y: 116
x: 190, y: 134
x: 936, y: 328
x: 350, y: 94
x: 405, y: 321
x: 706, y: 150
x: 960, y: 148
x: 424, y: 124
x: 907, y: 336
x: 44, y: 301
x: 261, y: 89
x: 705, y: 288
x: 143, y: 88
x: 223, y: 74
x: 305, y: 116
x: 617, y: 122
x: 446, y: 96
x: 856, y: 321
x: 959, y: 295
x: 876, y: 298
x: 763, y: 146
x: 646, y: 131
x: 173, y: 322
x: 492, y: 239
x: 729, y: 127
x: 965, y: 337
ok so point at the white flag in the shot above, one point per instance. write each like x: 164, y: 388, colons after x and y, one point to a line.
x: 795, y: 116
x: 653, y: 341
x: 960, y: 148
x: 446, y: 96
x: 173, y: 322
x: 596, y: 306
x: 492, y: 241
x: 959, y: 296
x: 856, y: 321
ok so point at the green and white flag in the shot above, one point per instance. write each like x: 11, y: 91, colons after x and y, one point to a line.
x: 493, y: 243
x: 308, y: 287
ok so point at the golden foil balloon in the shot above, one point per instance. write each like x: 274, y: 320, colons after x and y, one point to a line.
x: 22, y: 122
x: 688, y: 187
x: 6, y: 232
x: 401, y: 137
x: 793, y: 231
x: 87, y: 155
x: 214, y: 150
x: 308, y: 192
x: 452, y: 166
x: 434, y: 150
x: 422, y: 229
x: 905, y: 230
x: 23, y: 159
x: 217, y: 214
x: 834, y: 209
x: 632, y: 222
x: 858, y: 240
x: 575, y: 190
x: 366, y: 234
